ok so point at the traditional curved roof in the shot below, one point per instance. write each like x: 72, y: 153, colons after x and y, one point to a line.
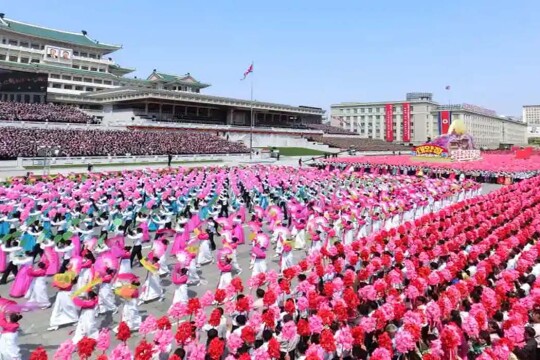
x: 66, y: 37
x: 181, y: 79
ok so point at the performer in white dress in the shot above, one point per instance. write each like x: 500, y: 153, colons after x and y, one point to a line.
x: 9, y: 340
x: 87, y: 325
x: 37, y: 292
x: 205, y: 253
x: 64, y: 310
x: 151, y: 289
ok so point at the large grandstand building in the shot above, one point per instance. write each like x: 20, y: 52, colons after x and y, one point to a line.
x: 39, y: 64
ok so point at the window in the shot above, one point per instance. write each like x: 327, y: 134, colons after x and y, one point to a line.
x: 84, y: 67
x: 92, y: 56
x: 75, y: 53
x: 84, y: 54
x: 411, y: 108
x: 79, y: 88
x: 362, y: 110
x: 68, y: 87
x: 370, y: 110
x: 12, y: 42
x: 66, y: 77
x: 24, y: 44
x: 34, y: 61
x: 107, y: 82
x: 77, y: 78
x: 35, y: 46
x: 54, y: 76
x: 25, y: 60
x: 98, y: 81
x: 93, y: 69
x: 89, y: 89
x: 13, y: 58
x: 87, y: 80
x: 101, y: 70
x: 75, y: 66
x: 56, y: 86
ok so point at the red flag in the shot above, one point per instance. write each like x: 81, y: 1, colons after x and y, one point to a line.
x: 248, y: 71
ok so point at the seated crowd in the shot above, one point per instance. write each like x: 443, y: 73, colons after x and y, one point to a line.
x: 16, y: 111
x: 329, y: 129
x: 19, y: 142
x: 360, y: 144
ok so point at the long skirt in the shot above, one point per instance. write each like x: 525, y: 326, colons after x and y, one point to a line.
x: 87, y: 325
x: 205, y: 255
x: 106, y: 299
x: 9, y: 347
x: 130, y: 314
x: 300, y: 240
x: 181, y: 294
x: 259, y: 266
x: 224, y: 280
x: 52, y: 259
x: 152, y: 288
x: 37, y: 293
x: 163, y: 267
x: 125, y: 266
x: 64, y: 310
x: 287, y: 260
x: 193, y: 276
x: 22, y: 282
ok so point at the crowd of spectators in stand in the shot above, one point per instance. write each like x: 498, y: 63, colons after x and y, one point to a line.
x: 360, y: 144
x: 16, y: 111
x: 329, y: 129
x: 16, y: 142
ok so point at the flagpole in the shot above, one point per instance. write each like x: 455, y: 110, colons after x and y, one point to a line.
x: 251, y: 120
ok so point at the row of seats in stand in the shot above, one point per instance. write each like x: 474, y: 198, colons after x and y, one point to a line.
x: 25, y: 142
x: 360, y: 144
x: 41, y: 112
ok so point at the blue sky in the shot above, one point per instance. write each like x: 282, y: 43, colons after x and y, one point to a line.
x: 321, y: 52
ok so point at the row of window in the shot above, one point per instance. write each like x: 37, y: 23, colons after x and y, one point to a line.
x: 36, y: 46
x: 30, y: 60
x: 56, y: 85
x: 371, y: 110
x: 83, y: 79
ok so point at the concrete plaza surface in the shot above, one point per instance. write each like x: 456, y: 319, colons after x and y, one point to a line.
x: 34, y: 324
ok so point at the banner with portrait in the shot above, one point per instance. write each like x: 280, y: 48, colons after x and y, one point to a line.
x: 58, y: 54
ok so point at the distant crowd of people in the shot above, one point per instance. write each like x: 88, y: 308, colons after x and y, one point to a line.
x: 19, y: 142
x: 16, y: 111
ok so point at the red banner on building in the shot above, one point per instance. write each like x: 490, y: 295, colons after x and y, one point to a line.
x: 388, y: 117
x: 406, y: 122
x: 444, y: 121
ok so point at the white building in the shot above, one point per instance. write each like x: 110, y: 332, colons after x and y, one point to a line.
x: 531, y: 116
x: 425, y: 120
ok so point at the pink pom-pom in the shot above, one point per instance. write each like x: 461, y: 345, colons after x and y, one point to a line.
x: 196, y: 351
x: 207, y: 299
x: 148, y: 325
x: 288, y: 332
x: 200, y: 319
x: 515, y: 334
x: 163, y: 339
x: 368, y: 324
x: 65, y: 350
x: 234, y: 342
x: 121, y: 352
x: 178, y: 310
x: 381, y: 354
x: 470, y: 326
x: 345, y: 338
x: 302, y: 304
x: 404, y: 341
x: 315, y: 324
x: 104, y: 339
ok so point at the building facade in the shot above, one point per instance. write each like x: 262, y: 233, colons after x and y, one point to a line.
x: 45, y: 65
x: 418, y: 119
x: 531, y: 116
